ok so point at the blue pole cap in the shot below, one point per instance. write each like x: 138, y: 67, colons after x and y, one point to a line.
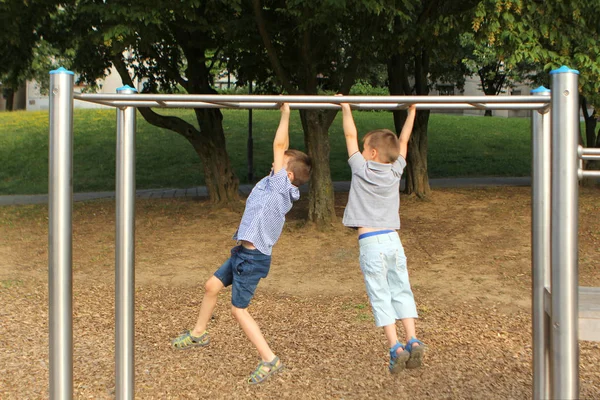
x: 61, y: 70
x: 540, y: 90
x: 563, y: 70
x: 126, y: 87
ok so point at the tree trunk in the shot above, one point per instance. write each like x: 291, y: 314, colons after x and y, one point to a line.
x: 9, y: 95
x: 209, y: 143
x: 321, y: 208
x: 417, y: 180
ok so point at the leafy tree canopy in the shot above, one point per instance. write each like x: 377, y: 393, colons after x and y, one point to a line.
x: 538, y: 36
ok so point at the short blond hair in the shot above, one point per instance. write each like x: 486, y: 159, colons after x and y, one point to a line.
x: 385, y: 142
x: 300, y: 165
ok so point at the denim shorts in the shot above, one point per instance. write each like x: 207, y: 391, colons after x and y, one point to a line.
x: 383, y: 264
x: 242, y: 271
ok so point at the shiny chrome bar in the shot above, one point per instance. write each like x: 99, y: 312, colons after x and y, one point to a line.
x: 125, y: 252
x: 60, y: 235
x: 588, y: 174
x: 223, y: 98
x: 145, y: 102
x: 565, y: 192
x: 541, y: 214
x: 588, y: 151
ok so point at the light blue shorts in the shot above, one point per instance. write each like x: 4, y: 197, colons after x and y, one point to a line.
x: 383, y: 264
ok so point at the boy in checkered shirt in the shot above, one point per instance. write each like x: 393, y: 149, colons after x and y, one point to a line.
x: 259, y: 229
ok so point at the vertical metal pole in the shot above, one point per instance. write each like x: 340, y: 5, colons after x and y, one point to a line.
x: 125, y: 251
x: 60, y: 234
x: 565, y: 302
x: 540, y: 237
x: 250, y: 145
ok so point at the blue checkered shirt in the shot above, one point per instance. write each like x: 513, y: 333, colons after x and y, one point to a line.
x: 266, y: 207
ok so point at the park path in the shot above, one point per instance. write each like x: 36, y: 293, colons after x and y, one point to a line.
x: 200, y: 191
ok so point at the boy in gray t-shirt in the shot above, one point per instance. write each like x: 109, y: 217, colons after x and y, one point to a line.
x: 373, y: 209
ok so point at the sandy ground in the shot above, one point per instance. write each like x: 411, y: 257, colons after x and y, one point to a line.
x: 469, y: 259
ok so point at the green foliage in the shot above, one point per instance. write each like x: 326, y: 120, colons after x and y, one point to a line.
x: 482, y: 60
x: 537, y: 37
x: 312, y: 45
x: 363, y: 88
x: 167, y: 45
x: 458, y: 147
x: 25, y: 53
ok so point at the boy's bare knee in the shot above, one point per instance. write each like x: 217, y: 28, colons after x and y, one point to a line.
x: 237, y: 312
x: 213, y: 286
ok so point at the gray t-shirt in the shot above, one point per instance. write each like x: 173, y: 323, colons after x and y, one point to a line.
x: 374, y: 199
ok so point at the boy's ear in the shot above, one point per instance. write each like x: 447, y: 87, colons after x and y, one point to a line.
x: 290, y: 176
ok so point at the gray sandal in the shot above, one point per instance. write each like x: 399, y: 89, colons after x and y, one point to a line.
x: 261, y: 373
x: 416, y: 353
x: 186, y: 340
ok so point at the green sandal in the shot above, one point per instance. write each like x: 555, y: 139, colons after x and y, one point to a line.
x: 186, y: 340
x: 260, y: 374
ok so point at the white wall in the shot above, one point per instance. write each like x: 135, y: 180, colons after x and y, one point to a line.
x: 473, y: 88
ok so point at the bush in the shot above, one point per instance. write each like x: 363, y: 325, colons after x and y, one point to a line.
x: 362, y: 88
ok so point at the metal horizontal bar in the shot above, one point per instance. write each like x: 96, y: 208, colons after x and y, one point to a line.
x: 590, y: 157
x: 108, y: 103
x: 316, y: 99
x: 588, y: 151
x: 588, y: 174
x: 479, y: 106
x: 320, y: 106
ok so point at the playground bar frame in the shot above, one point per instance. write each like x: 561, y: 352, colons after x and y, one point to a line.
x: 555, y: 170
x: 125, y: 251
x: 564, y: 224
x: 319, y: 102
x: 60, y: 235
x: 541, y: 141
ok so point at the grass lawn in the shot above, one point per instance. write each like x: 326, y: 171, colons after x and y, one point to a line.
x: 459, y: 146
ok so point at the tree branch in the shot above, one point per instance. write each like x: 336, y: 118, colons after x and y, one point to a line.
x: 175, y: 124
x: 583, y: 102
x: 215, y: 58
x: 165, y: 64
x: 271, y: 52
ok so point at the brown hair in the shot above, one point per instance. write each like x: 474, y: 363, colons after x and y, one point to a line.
x: 300, y: 164
x: 385, y: 142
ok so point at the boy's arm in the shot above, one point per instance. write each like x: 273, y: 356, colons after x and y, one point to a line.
x: 282, y: 139
x: 407, y: 130
x: 350, y: 131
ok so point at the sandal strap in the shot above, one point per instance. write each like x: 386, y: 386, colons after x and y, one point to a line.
x: 260, y: 374
x: 412, y: 342
x: 187, y: 336
x: 394, y: 349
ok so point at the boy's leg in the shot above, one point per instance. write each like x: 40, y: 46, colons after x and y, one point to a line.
x: 409, y: 329
x: 253, y: 332
x: 391, y: 335
x: 249, y: 269
x: 403, y: 299
x: 198, y: 336
x: 212, y: 288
